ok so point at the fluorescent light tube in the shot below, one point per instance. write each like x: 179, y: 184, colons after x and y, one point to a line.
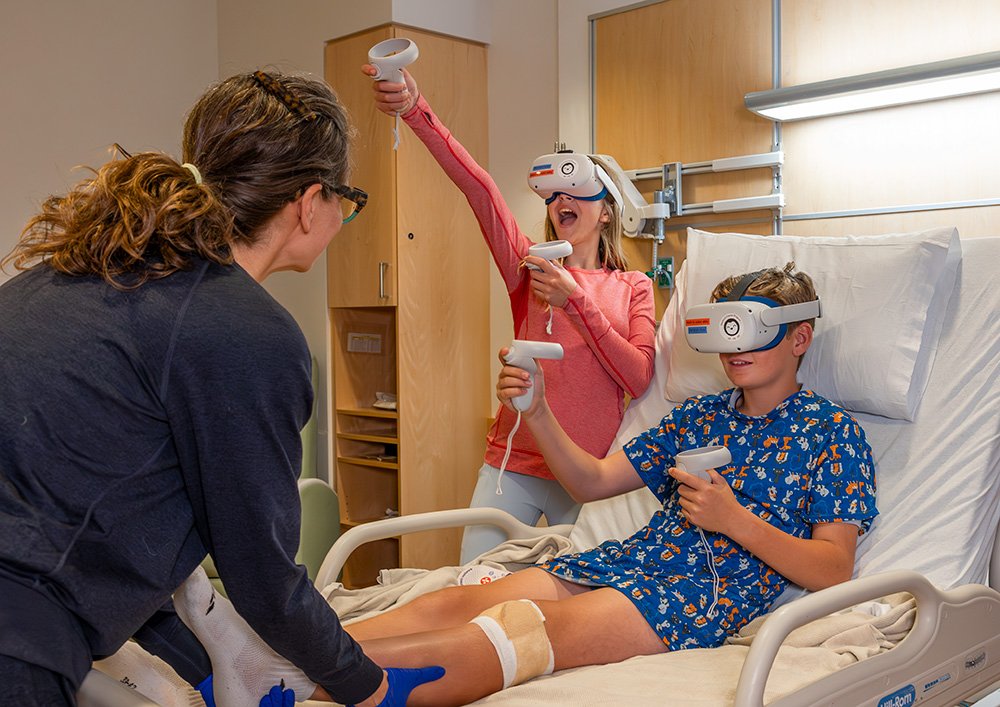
x: 912, y: 84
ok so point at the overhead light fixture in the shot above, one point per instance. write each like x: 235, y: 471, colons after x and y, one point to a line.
x: 910, y: 84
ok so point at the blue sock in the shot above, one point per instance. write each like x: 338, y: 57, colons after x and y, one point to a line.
x: 205, y: 688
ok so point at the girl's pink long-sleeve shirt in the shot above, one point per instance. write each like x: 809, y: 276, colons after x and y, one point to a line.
x: 606, y: 327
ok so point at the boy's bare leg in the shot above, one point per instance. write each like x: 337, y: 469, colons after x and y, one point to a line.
x: 596, y: 627
x: 454, y: 606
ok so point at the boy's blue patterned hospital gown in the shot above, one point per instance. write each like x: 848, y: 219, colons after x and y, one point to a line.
x: 805, y: 462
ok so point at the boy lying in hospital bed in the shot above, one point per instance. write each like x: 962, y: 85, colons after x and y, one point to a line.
x: 789, y: 508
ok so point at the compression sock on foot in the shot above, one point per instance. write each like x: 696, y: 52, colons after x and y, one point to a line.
x: 145, y: 673
x: 244, y: 668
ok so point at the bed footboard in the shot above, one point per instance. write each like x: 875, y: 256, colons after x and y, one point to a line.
x: 952, y: 651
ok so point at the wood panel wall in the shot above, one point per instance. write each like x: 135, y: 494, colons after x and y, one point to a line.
x: 669, y: 85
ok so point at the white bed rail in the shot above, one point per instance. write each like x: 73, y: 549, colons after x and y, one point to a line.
x: 956, y: 636
x: 357, y: 536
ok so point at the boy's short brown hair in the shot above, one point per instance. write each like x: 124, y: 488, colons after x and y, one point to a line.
x: 779, y: 284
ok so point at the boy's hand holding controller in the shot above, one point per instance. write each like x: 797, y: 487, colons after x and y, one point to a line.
x: 521, y: 384
x: 705, y: 497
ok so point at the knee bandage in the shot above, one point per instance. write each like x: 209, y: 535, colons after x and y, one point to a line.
x: 517, y: 631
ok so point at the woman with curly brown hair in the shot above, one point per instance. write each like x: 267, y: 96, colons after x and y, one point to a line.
x: 152, y: 392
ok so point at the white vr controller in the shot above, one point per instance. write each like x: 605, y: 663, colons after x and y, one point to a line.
x: 550, y: 250
x: 523, y: 354
x: 697, y: 461
x: 389, y: 58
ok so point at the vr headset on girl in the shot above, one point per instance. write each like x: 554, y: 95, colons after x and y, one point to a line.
x: 589, y: 178
x: 742, y: 323
x: 574, y: 174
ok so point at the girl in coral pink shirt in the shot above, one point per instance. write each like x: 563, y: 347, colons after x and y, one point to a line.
x: 599, y: 311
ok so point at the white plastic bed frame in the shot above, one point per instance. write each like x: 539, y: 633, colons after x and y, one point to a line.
x: 957, y: 631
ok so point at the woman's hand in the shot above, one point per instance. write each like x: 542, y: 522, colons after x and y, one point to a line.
x: 514, y: 382
x: 710, y: 505
x: 552, y: 284
x: 398, y: 683
x: 392, y: 98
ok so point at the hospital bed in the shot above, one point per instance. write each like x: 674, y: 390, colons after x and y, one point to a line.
x: 910, y: 343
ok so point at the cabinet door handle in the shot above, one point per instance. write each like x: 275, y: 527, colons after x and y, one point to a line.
x: 381, y: 278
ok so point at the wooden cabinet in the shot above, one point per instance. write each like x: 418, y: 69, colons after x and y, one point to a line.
x: 408, y: 291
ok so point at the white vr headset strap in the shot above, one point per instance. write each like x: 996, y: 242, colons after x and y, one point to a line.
x: 788, y: 313
x: 610, y: 185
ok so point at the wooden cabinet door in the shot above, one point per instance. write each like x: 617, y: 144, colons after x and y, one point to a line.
x: 361, y: 259
x: 443, y: 308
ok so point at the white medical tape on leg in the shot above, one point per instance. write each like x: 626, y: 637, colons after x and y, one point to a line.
x: 517, y: 631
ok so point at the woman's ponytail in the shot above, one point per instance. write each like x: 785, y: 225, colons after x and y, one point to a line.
x: 138, y: 219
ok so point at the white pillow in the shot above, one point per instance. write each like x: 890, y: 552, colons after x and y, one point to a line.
x: 883, y: 300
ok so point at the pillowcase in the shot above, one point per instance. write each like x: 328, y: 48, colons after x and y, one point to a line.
x: 883, y: 302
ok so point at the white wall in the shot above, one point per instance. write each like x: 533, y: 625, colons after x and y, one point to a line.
x: 78, y: 77
x: 469, y: 19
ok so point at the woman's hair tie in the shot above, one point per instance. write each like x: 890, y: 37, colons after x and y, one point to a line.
x: 194, y: 172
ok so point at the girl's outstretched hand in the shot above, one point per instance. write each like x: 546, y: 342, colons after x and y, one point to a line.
x: 392, y: 98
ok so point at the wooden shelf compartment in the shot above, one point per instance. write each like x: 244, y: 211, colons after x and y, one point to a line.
x: 364, y: 356
x: 375, y: 413
x: 381, y: 453
x: 359, y: 423
x: 382, y: 439
x: 366, y: 491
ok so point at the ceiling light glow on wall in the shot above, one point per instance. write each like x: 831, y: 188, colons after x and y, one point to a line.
x: 911, y: 84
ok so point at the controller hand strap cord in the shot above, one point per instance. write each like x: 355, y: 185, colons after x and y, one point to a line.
x: 523, y: 354
x: 715, y: 573
x: 697, y: 462
x: 548, y: 325
x: 506, y: 454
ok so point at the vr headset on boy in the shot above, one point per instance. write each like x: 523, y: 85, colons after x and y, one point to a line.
x: 741, y: 323
x: 574, y: 174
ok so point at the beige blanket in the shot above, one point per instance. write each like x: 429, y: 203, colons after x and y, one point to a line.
x: 399, y: 586
x: 685, y: 678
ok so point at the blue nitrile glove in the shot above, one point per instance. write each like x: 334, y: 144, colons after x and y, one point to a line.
x: 278, y: 696
x: 402, y: 682
x: 205, y: 688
